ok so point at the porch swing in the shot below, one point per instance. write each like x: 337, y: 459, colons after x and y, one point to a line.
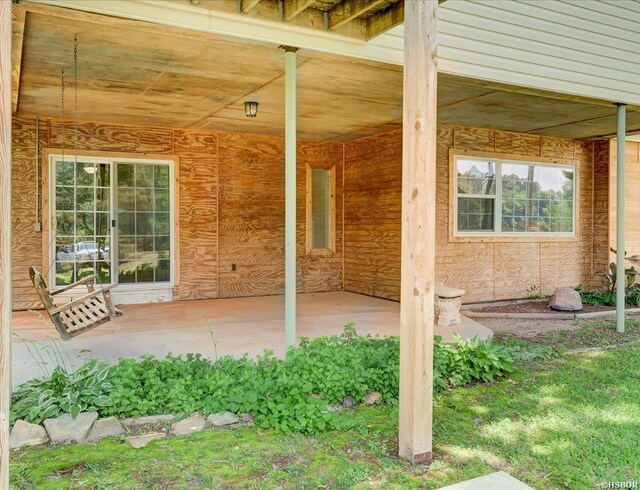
x: 95, y: 307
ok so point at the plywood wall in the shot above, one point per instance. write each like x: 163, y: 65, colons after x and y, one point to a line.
x: 488, y: 271
x: 632, y: 191
x: 231, y: 206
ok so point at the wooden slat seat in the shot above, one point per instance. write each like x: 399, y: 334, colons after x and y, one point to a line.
x: 78, y: 315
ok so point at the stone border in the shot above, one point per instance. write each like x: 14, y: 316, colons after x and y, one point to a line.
x: 87, y: 428
x: 545, y: 316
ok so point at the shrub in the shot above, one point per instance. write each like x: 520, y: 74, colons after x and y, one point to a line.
x: 85, y: 389
x: 290, y: 394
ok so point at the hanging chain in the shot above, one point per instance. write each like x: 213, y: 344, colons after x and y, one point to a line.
x: 62, y: 109
x: 75, y: 96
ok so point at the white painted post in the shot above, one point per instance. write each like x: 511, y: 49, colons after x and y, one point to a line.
x: 290, y: 197
x: 418, y: 231
x: 5, y: 238
x: 620, y: 218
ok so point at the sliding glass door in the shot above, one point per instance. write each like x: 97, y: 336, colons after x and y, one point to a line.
x: 112, y: 217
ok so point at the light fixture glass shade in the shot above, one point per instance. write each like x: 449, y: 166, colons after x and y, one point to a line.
x: 251, y: 109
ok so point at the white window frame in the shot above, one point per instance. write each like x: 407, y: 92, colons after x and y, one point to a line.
x: 122, y: 287
x: 497, y: 223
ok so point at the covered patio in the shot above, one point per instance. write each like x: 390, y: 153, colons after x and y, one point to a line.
x: 238, y: 325
x: 236, y: 209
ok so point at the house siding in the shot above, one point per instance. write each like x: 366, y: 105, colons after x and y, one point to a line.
x: 488, y: 271
x: 632, y: 205
x: 231, y: 206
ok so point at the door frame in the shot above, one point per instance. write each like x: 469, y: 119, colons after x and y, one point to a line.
x: 137, y: 290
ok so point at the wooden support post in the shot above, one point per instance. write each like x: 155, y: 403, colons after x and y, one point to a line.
x: 5, y: 238
x: 290, y: 197
x: 418, y: 231
x: 621, y: 278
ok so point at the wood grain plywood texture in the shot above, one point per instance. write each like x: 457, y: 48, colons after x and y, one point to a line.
x: 198, y: 214
x: 488, y: 271
x: 632, y: 187
x: 230, y: 206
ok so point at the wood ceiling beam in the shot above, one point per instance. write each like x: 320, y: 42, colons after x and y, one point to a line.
x: 292, y: 8
x: 381, y: 22
x: 19, y: 17
x: 388, y: 19
x: 349, y: 10
x: 247, y: 5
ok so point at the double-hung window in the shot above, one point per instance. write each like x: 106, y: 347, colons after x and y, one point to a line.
x: 512, y: 198
x: 111, y: 217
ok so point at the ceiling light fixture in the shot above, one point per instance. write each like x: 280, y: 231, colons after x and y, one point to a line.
x: 251, y: 109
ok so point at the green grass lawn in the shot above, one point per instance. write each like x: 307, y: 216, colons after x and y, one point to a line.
x: 570, y: 422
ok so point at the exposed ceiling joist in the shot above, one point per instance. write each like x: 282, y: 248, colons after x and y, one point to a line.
x: 247, y: 5
x: 348, y: 10
x: 383, y: 21
x: 19, y: 15
x: 292, y: 8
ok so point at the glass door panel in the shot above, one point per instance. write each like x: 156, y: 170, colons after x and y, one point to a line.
x: 82, y: 235
x: 144, y: 231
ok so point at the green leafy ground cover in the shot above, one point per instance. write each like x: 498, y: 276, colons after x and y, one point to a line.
x: 275, y: 391
x: 567, y: 421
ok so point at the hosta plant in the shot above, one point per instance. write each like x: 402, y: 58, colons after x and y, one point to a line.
x: 72, y: 392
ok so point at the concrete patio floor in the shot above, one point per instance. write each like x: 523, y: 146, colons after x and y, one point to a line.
x: 239, y: 325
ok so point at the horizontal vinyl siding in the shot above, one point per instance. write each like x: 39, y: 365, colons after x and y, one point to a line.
x: 580, y: 47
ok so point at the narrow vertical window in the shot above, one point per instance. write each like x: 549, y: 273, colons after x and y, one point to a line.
x: 320, y: 210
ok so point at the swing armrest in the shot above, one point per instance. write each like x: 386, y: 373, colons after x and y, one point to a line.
x: 82, y: 299
x: 81, y: 282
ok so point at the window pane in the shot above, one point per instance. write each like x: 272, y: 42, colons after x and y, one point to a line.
x: 537, y: 197
x: 320, y: 207
x: 65, y: 173
x: 144, y: 223
x: 64, y: 198
x: 475, y: 214
x: 476, y: 177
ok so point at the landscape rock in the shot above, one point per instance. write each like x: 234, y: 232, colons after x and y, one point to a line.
x: 151, y: 419
x: 188, y: 426
x: 25, y: 434
x: 372, y: 398
x: 66, y: 429
x: 247, y: 418
x: 103, y: 428
x: 141, y: 441
x: 566, y: 299
x: 348, y: 402
x: 222, y: 419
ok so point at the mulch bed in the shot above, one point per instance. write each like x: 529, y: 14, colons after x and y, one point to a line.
x: 536, y: 307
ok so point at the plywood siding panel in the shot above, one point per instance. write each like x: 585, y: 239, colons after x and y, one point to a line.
x: 487, y: 271
x: 198, y: 218
x: 230, y: 209
x: 478, y: 139
x: 318, y: 273
x: 632, y: 188
x: 373, y: 187
x: 517, y: 143
x: 557, y: 148
x: 600, y: 210
x: 27, y: 243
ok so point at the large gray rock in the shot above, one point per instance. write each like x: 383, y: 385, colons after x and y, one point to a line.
x: 222, y: 419
x: 66, y: 429
x: 25, y: 434
x: 142, y: 441
x: 188, y: 426
x: 103, y: 428
x: 566, y: 299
